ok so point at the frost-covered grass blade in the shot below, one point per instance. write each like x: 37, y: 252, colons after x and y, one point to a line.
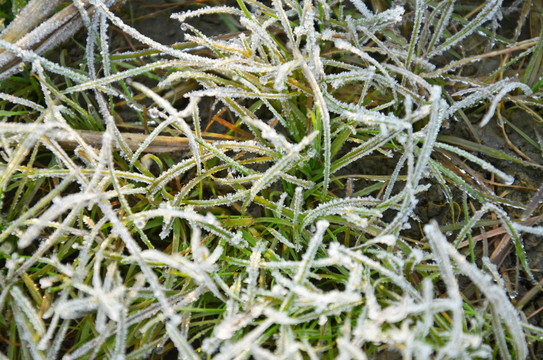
x: 302, y: 187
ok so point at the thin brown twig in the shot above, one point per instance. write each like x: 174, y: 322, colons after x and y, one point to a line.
x: 511, y: 145
x: 534, y: 313
x: 529, y: 295
x: 160, y: 144
x: 496, y: 232
x: 33, y: 14
x: 31, y: 31
x: 505, y: 245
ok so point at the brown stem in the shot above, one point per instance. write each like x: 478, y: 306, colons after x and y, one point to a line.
x: 160, y: 144
x: 33, y: 14
x: 30, y: 31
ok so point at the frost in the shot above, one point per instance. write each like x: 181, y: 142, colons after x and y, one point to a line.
x: 338, y: 206
x: 27, y: 308
x: 283, y: 164
x: 297, y: 204
x: 311, y: 250
x: 488, y: 12
x: 507, y: 179
x: 419, y: 19
x: 21, y: 101
x: 442, y: 22
x: 253, y: 242
x: 280, y: 203
x: 496, y: 100
x: 282, y: 239
x: 140, y: 223
x: 495, y: 294
x: 282, y: 73
x: 270, y: 134
x: 181, y: 17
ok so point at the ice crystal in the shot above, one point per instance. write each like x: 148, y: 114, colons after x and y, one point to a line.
x: 495, y: 294
x: 488, y: 12
x: 253, y: 242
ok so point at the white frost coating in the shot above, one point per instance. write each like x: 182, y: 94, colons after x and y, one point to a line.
x: 433, y: 127
x: 262, y: 37
x: 297, y: 203
x: 494, y: 294
x: 181, y: 343
x: 21, y: 101
x: 356, y: 220
x: 454, y: 347
x: 309, y: 255
x: 58, y: 208
x: 199, y: 271
x: 26, y: 333
x: 209, y: 222
x: 136, y: 251
x: 338, y: 206
x: 270, y: 134
x: 342, y: 44
x: 393, y: 15
x: 256, y: 317
x: 181, y: 17
x: 488, y: 12
x: 146, y: 40
x: 281, y: 165
x: 506, y: 178
x: 234, y: 322
x: 507, y: 88
x: 346, y: 77
x: 237, y: 93
x: 260, y: 353
x: 253, y: 270
x: 177, y: 118
x: 176, y: 170
x: 282, y: 239
x: 232, y: 350
x: 442, y: 24
x: 282, y: 73
x: 29, y: 310
x: 157, y: 130
x: 339, y: 251
x: 536, y: 230
x: 29, y: 56
x: 389, y: 240
x: 199, y: 253
x: 418, y: 21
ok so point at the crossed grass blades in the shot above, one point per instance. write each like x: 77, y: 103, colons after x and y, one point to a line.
x: 257, y: 241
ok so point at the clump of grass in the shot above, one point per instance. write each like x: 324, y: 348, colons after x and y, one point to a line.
x: 257, y: 241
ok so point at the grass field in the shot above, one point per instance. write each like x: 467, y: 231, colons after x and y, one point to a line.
x: 291, y: 179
